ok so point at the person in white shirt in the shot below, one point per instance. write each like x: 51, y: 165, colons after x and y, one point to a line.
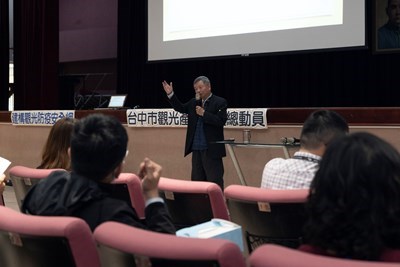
x: 319, y: 129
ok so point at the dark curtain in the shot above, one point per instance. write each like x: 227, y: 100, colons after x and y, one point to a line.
x: 327, y: 78
x: 131, y: 55
x: 126, y: 45
x: 4, y: 54
x: 138, y: 78
x: 36, y: 54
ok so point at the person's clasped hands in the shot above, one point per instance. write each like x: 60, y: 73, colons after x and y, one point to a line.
x: 150, y: 173
x: 2, y: 183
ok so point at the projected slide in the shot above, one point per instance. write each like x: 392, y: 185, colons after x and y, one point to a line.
x: 186, y: 29
x: 183, y: 19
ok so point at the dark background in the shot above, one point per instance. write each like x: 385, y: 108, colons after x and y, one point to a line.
x: 304, y: 79
x: 327, y: 78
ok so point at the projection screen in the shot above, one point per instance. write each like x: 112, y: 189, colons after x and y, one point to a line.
x: 184, y: 29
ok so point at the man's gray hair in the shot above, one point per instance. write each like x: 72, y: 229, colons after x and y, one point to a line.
x: 204, y: 79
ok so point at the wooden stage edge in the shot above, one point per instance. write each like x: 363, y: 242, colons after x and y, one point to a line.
x: 389, y: 116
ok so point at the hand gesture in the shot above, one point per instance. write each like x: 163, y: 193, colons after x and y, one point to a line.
x: 167, y: 87
x: 150, y: 173
x: 200, y: 111
x: 2, y: 183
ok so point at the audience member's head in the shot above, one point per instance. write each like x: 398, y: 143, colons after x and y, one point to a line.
x: 55, y: 151
x: 320, y: 128
x: 98, y: 147
x: 354, y: 203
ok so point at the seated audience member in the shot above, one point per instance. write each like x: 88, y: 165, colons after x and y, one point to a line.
x: 98, y: 149
x: 2, y: 183
x: 319, y: 129
x: 354, y: 203
x: 55, y: 152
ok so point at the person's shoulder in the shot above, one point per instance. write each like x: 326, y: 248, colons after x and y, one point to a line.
x: 275, y: 161
x: 219, y: 98
x: 219, y: 101
x: 55, y: 177
x: 279, y: 166
x: 384, y: 28
x: 60, y: 173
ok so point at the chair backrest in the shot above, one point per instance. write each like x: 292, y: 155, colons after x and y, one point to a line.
x: 270, y: 255
x: 121, y: 245
x: 267, y: 215
x: 128, y: 187
x: 23, y: 178
x: 192, y: 202
x: 40, y: 241
x: 1, y: 199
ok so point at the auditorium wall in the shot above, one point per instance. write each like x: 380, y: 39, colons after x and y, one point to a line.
x: 23, y: 145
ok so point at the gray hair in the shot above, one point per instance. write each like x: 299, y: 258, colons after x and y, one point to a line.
x: 204, y: 79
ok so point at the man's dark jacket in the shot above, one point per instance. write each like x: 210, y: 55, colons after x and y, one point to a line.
x: 214, y: 119
x: 69, y: 194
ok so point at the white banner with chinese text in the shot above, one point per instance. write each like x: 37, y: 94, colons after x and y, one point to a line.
x: 253, y: 118
x: 39, y: 117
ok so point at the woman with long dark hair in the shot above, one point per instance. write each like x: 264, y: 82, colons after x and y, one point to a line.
x: 354, y: 202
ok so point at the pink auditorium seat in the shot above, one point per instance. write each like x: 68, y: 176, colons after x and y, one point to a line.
x: 192, y: 202
x: 266, y: 215
x: 23, y: 178
x: 128, y: 187
x: 121, y: 245
x: 270, y: 255
x: 41, y: 241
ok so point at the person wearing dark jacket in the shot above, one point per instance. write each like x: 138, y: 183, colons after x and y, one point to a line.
x: 98, y: 148
x: 207, y: 115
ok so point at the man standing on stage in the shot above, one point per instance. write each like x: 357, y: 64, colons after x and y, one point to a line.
x: 206, y: 119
